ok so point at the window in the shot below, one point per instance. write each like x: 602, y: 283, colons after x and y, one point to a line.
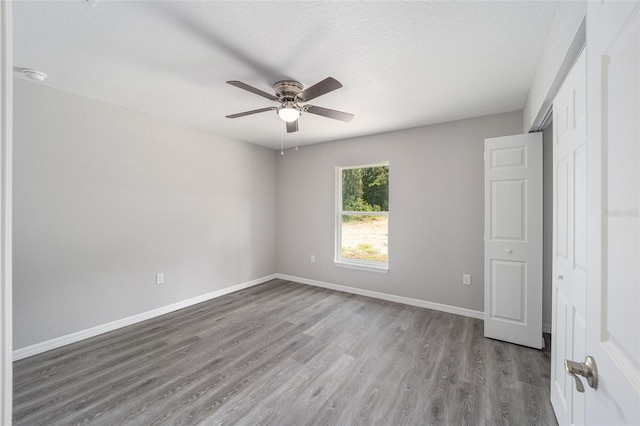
x: 362, y: 204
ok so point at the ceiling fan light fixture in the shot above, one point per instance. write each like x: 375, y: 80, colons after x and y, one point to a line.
x: 288, y: 114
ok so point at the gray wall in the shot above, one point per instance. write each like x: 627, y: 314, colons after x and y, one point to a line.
x: 106, y: 197
x: 436, y: 209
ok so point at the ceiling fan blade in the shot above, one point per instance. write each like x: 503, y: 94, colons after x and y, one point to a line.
x: 292, y: 126
x: 327, y: 85
x: 255, y: 111
x: 252, y: 89
x: 330, y: 113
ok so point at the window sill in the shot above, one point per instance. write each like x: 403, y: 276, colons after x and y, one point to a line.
x: 371, y: 268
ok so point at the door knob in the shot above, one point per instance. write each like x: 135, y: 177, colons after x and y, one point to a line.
x: 586, y: 369
x: 560, y: 277
x: 509, y: 251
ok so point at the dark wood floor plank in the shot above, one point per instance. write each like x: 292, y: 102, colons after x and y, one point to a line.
x: 284, y: 353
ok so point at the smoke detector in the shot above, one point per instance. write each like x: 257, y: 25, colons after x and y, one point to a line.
x: 33, y: 75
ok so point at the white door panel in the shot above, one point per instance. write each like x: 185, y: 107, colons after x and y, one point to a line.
x: 508, y: 199
x: 513, y: 239
x: 508, y: 280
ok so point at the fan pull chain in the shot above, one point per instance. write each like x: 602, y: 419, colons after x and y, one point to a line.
x: 282, y: 139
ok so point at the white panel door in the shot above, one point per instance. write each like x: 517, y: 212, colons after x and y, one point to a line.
x: 569, y: 240
x: 613, y: 211
x: 513, y: 239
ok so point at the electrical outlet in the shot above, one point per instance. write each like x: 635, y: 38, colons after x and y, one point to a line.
x: 313, y: 258
x: 160, y: 278
x: 466, y: 279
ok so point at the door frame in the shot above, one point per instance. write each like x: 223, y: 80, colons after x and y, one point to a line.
x: 6, y: 161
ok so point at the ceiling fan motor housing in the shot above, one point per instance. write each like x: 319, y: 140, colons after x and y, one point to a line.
x: 287, y: 90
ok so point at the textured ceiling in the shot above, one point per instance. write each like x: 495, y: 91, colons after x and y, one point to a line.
x: 402, y: 64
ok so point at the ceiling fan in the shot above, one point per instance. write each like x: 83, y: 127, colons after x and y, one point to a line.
x: 289, y: 94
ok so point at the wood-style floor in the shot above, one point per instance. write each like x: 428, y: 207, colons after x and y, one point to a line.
x: 283, y: 353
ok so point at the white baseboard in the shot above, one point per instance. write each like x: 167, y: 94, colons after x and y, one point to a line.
x: 48, y: 345
x: 104, y: 328
x: 385, y: 296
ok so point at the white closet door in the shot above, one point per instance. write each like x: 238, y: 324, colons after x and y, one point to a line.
x: 513, y: 239
x: 569, y: 240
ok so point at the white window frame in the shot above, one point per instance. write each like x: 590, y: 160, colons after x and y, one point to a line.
x: 365, y: 265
